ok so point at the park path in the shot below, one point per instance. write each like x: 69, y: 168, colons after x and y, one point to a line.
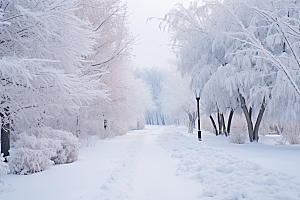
x: 155, y: 174
x: 133, y: 166
x: 157, y: 163
x: 147, y: 172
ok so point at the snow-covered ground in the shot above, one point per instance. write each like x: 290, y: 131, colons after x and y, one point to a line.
x: 166, y: 163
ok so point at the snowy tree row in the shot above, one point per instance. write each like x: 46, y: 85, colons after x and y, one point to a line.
x: 154, y: 77
x: 129, y: 98
x: 243, y: 56
x: 64, y: 65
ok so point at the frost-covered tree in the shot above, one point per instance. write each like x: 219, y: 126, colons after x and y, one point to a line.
x: 239, y: 60
x: 199, y: 52
x: 123, y: 110
x: 178, y: 100
x: 109, y: 20
x: 154, y: 77
x: 268, y: 37
x: 43, y: 45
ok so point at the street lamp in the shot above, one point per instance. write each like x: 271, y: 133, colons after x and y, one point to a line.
x: 198, y: 113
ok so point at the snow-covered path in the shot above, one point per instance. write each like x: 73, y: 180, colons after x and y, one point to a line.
x: 155, y: 174
x: 158, y: 163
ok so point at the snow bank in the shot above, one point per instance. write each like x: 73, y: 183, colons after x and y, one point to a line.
x: 35, y: 151
x: 4, y: 169
x: 225, y: 176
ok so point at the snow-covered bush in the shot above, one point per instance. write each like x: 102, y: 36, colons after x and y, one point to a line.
x: 4, y: 169
x: 31, y: 154
x: 39, y: 148
x: 290, y: 134
x: 67, y: 151
x: 293, y: 138
x: 237, y: 137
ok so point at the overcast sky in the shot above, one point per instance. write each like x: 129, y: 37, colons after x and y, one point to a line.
x: 151, y: 49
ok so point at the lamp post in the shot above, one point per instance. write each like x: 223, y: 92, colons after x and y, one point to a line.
x: 198, y: 113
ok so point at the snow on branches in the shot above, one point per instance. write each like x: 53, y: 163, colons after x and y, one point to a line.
x: 42, y: 50
x: 247, y: 63
x: 64, y: 65
x: 128, y: 97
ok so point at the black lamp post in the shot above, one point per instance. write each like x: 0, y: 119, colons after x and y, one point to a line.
x: 198, y: 113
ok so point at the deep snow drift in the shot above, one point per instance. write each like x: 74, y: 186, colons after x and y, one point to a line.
x: 166, y: 163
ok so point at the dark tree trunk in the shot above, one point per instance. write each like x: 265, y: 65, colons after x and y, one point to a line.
x: 5, y: 139
x: 229, y: 121
x: 214, y: 124
x: 223, y: 125
x: 258, y: 121
x: 5, y: 132
x: 250, y: 113
x: 247, y: 116
x: 220, y: 124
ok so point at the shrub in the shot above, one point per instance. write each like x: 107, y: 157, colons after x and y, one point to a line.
x: 290, y: 134
x: 68, y: 150
x: 39, y: 148
x: 30, y: 155
x: 237, y: 137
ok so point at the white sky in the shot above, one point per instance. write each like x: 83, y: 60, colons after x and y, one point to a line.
x: 151, y: 49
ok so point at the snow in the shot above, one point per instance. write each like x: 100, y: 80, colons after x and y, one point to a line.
x: 165, y: 162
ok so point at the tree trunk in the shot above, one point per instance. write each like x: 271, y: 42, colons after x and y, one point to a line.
x: 190, y: 130
x: 259, y: 118
x: 247, y: 116
x: 220, y: 124
x: 152, y: 120
x: 162, y: 119
x: 278, y: 129
x: 194, y: 119
x: 5, y: 132
x: 250, y: 113
x: 5, y: 139
x: 229, y: 121
x: 77, y: 126
x: 214, y: 124
x: 223, y: 125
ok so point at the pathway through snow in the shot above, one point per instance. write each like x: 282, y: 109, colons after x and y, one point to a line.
x: 158, y: 163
